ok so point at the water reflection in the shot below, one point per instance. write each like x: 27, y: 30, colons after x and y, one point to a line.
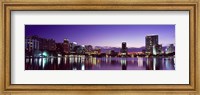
x: 82, y: 62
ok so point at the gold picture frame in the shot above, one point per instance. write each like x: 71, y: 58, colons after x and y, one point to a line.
x: 96, y: 5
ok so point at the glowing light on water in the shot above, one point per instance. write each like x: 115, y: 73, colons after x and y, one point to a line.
x: 51, y: 60
x: 75, y: 58
x: 140, y: 62
x: 82, y: 67
x: 44, y: 61
x: 98, y: 61
x: 123, y: 61
x: 85, y: 62
x: 147, y: 61
x: 94, y: 60
x: 45, y: 54
x: 65, y: 59
x: 78, y: 60
x: 154, y: 63
x: 27, y: 60
x: 35, y: 60
x: 71, y: 59
x: 82, y: 58
x: 59, y: 59
x: 132, y: 60
x: 31, y: 60
x: 174, y: 60
x: 40, y: 61
x: 167, y: 63
x: 59, y: 55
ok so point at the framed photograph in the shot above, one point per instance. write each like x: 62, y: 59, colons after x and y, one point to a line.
x: 100, y: 46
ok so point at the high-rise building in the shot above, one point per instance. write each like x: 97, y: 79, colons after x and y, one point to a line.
x: 151, y: 40
x: 88, y: 48
x: 79, y: 49
x: 43, y: 44
x: 51, y: 45
x: 96, y: 51
x: 59, y: 47
x: 170, y: 49
x: 124, y: 49
x: 157, y: 49
x: 31, y: 43
x: 72, y: 45
x: 66, y: 46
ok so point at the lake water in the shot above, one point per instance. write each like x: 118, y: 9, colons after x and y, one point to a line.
x: 81, y: 62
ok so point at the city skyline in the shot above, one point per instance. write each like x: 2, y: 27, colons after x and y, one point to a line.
x: 104, y: 35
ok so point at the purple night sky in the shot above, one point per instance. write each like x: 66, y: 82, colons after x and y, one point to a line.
x: 104, y: 35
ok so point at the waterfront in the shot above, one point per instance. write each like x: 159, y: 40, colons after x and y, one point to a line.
x: 82, y: 62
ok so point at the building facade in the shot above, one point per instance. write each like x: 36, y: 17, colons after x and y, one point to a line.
x: 37, y: 43
x: 31, y: 43
x: 66, y: 46
x: 170, y: 49
x: 157, y: 49
x: 88, y: 48
x: 124, y: 49
x: 150, y: 41
x: 72, y: 46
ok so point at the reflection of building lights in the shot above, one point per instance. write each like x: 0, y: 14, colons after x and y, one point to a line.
x: 71, y: 60
x: 123, y: 61
x: 59, y: 55
x: 31, y: 60
x: 154, y: 63
x: 82, y: 58
x: 44, y: 61
x: 79, y: 60
x: 147, y: 61
x: 27, y: 60
x: 75, y: 59
x: 40, y: 61
x: 35, y: 61
x: 174, y: 61
x: 65, y: 60
x: 106, y: 60
x: 45, y: 54
x: 51, y: 60
x: 132, y: 61
x: 98, y: 61
x: 59, y: 59
x: 94, y: 61
x: 140, y: 62
x: 82, y: 67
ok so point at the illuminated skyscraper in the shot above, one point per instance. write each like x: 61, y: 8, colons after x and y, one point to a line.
x: 151, y: 40
x: 51, y: 44
x: 124, y: 48
x: 66, y: 46
x: 170, y: 49
x: 72, y: 45
x: 31, y: 43
x: 157, y: 49
x: 36, y: 43
x: 88, y: 48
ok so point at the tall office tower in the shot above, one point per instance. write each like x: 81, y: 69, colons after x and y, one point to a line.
x: 66, y: 46
x: 157, y: 49
x: 124, y: 48
x: 72, y: 45
x: 151, y: 40
x: 31, y: 43
x: 170, y: 49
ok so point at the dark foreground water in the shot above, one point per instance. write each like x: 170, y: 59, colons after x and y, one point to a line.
x: 93, y: 63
